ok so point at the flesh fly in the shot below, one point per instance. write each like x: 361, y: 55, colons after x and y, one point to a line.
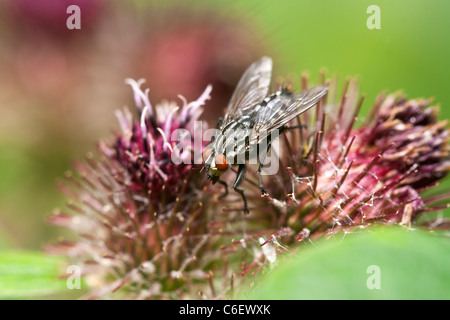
x: 252, y: 116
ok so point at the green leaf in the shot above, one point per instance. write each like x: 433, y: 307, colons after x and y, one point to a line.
x: 26, y: 275
x: 404, y: 264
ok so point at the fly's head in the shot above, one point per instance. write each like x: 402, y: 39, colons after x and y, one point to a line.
x: 215, y: 164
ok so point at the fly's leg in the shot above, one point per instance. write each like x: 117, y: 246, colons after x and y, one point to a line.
x: 286, y: 128
x: 225, y: 193
x: 261, y: 163
x: 218, y: 125
x: 239, y: 178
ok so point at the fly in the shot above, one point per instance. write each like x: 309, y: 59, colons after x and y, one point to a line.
x: 250, y: 118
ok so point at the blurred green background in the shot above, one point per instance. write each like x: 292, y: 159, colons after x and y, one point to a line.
x: 59, y: 88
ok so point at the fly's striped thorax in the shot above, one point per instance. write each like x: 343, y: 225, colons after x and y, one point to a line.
x: 233, y: 140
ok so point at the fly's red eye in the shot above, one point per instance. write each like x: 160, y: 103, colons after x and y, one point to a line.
x: 206, y: 154
x: 221, y: 163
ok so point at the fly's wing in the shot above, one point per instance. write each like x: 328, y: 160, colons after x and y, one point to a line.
x: 281, y: 110
x: 251, y: 89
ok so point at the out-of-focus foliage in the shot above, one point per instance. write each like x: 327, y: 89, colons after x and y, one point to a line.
x: 25, y: 275
x: 382, y: 263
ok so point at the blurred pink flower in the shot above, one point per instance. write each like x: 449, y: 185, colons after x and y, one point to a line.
x: 49, y: 16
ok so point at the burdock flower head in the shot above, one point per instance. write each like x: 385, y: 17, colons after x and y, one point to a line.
x: 336, y: 176
x: 139, y: 214
x: 375, y: 172
x: 145, y: 149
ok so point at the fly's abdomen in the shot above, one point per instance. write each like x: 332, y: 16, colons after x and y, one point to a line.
x: 271, y: 108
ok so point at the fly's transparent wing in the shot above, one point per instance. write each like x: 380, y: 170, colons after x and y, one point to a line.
x: 251, y: 89
x: 281, y: 110
x: 303, y: 101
